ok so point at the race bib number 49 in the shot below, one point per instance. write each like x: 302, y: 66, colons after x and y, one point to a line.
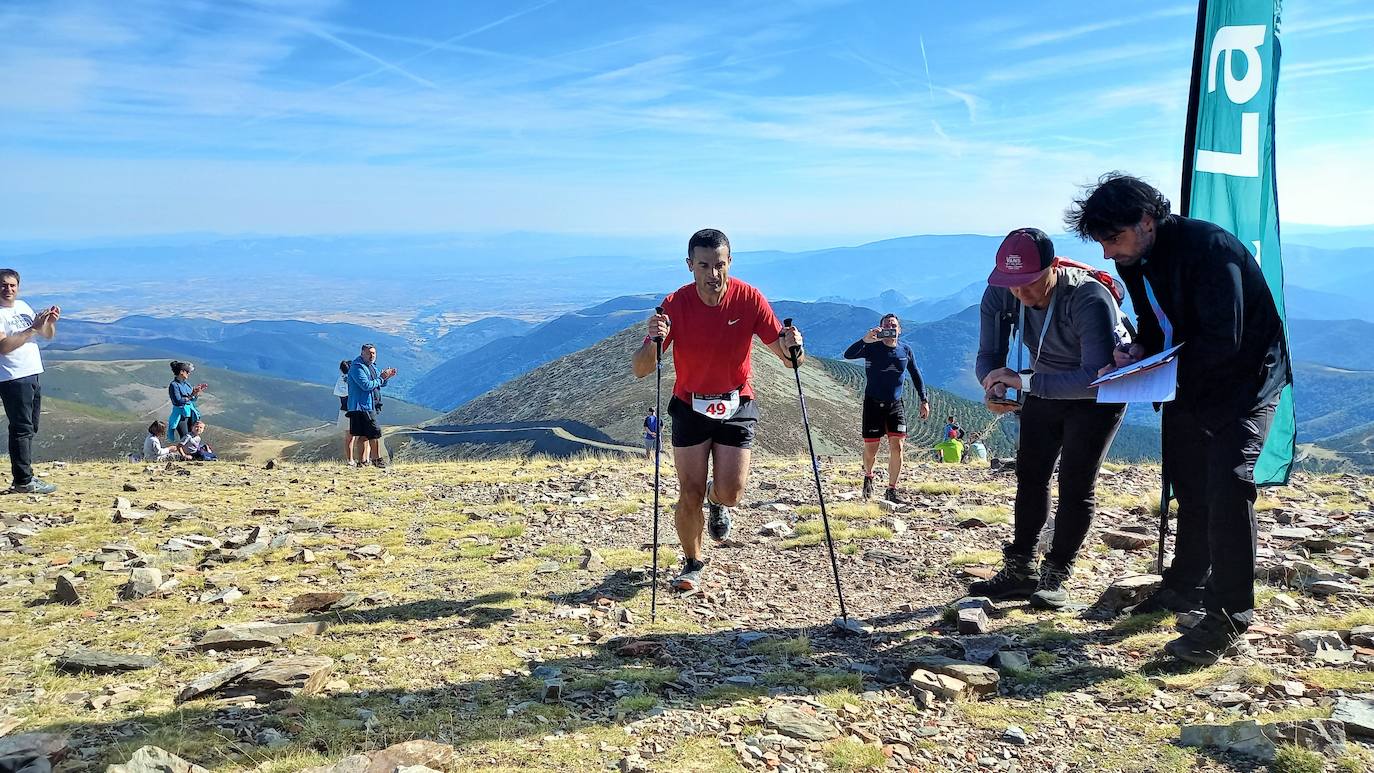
x: 718, y: 407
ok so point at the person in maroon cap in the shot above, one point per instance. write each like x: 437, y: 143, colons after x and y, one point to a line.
x: 1070, y: 324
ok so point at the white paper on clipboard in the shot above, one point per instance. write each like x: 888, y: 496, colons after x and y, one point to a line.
x: 1152, y: 380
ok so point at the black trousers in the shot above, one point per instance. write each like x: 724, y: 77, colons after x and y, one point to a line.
x: 1077, y: 433
x: 1213, y: 477
x: 23, y: 401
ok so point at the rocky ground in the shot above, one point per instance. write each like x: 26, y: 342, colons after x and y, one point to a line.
x: 495, y: 615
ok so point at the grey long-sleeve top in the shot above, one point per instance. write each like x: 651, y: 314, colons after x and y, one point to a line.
x: 1084, y: 330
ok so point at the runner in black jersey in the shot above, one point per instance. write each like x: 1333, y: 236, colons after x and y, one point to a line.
x: 887, y: 361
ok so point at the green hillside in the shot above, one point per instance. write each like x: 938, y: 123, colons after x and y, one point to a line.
x: 251, y: 404
x: 70, y: 431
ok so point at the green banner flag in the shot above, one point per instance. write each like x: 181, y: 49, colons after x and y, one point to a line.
x: 1229, y: 176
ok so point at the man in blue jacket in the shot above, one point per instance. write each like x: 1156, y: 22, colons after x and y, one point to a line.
x: 886, y: 361
x: 365, y: 384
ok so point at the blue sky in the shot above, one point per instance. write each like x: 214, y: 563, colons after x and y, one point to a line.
x: 778, y: 121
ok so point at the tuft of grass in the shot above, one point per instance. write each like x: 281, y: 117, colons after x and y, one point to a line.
x: 1141, y: 623
x: 937, y: 487
x: 996, y: 515
x: 851, y: 754
x: 976, y: 557
x: 798, y: 647
x: 1330, y: 623
x: 1044, y: 659
x: 730, y: 694
x: 636, y: 704
x: 1295, y: 759
x: 1338, y: 679
x: 811, y: 533
x: 835, y: 699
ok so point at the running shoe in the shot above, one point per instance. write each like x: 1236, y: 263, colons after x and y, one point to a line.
x: 35, y: 486
x: 868, y: 487
x: 892, y: 496
x: 720, y: 519
x: 690, y: 579
x: 379, y: 463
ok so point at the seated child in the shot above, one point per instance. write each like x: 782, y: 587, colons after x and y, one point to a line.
x: 155, y: 451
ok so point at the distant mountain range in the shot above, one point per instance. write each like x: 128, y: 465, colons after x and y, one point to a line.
x: 413, y: 285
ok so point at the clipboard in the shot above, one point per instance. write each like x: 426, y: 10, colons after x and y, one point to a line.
x: 1149, y: 363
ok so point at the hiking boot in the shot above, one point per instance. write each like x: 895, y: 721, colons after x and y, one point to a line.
x: 720, y: 520
x: 352, y: 463
x: 868, y: 487
x: 1050, y: 593
x: 1017, y: 579
x: 891, y: 496
x: 1212, y: 639
x: 690, y: 579
x: 35, y: 486
x: 1165, y: 599
x: 379, y: 463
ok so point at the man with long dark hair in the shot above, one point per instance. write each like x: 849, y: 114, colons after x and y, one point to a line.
x: 1195, y: 284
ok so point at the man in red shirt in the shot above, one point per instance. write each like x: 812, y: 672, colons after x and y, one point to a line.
x: 712, y: 321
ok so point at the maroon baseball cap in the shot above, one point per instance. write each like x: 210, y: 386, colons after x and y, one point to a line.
x: 1024, y: 257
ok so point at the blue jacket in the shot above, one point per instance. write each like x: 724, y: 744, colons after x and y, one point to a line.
x: 364, y: 386
x: 183, y: 407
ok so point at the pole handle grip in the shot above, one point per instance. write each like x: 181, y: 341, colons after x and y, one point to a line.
x: 794, y: 350
x: 658, y: 310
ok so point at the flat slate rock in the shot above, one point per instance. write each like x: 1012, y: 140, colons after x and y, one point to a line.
x: 322, y: 601
x: 794, y: 722
x: 151, y: 759
x: 247, y: 636
x: 212, y: 681
x: 94, y: 661
x: 279, y: 679
x: 1358, y: 717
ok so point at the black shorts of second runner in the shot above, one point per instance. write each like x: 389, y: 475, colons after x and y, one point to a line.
x: 691, y: 428
x: 883, y: 418
x: 363, y: 424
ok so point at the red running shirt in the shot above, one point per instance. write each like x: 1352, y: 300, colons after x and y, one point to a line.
x: 714, y: 342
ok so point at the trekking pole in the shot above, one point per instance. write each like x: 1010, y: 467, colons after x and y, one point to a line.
x: 842, y: 622
x: 658, y: 451
x: 1163, y: 504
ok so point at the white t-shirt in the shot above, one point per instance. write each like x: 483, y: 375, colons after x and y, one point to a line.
x: 24, y: 361
x: 341, y: 386
x: 191, y: 443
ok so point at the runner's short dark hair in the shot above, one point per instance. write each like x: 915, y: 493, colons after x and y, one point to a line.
x: 886, y: 317
x: 4, y: 272
x: 368, y: 346
x: 157, y: 427
x: 709, y: 238
x: 1117, y: 202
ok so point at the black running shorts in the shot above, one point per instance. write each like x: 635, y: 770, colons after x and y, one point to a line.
x: 883, y: 418
x: 363, y: 424
x: 692, y: 429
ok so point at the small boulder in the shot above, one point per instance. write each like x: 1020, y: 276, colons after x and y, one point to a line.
x: 795, y: 723
x: 973, y: 621
x: 151, y: 759
x: 1120, y: 539
x: 143, y: 582
x: 93, y: 661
